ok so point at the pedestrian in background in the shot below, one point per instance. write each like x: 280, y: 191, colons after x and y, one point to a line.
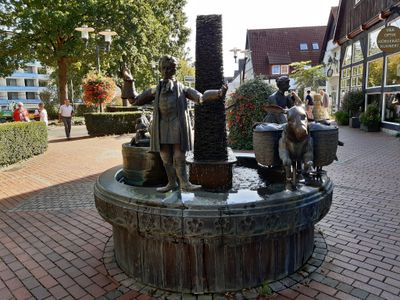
x: 309, y: 106
x: 43, y: 114
x: 325, y: 103
x: 20, y: 114
x: 65, y: 115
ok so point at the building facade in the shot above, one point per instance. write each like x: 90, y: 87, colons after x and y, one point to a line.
x: 330, y: 58
x: 273, y: 50
x: 24, y: 85
x: 363, y: 65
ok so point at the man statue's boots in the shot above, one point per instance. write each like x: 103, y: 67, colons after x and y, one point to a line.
x: 184, y: 183
x: 172, y: 184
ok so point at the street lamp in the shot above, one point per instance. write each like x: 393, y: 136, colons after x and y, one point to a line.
x: 246, y: 54
x: 107, y: 38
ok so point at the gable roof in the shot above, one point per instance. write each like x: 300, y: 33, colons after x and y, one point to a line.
x: 330, y: 30
x: 282, y: 46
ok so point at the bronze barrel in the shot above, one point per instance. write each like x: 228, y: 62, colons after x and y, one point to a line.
x: 141, y: 167
x: 265, y: 143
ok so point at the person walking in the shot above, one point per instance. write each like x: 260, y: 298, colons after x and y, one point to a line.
x: 65, y: 115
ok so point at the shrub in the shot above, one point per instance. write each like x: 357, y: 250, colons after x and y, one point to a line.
x: 353, y: 101
x: 98, y: 124
x: 121, y: 108
x: 81, y: 109
x: 371, y: 116
x: 342, y: 117
x: 21, y: 140
x: 246, y: 109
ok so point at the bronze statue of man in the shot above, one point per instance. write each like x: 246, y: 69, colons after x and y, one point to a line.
x: 284, y: 101
x: 171, y: 131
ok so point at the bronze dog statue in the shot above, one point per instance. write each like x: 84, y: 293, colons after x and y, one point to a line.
x: 295, y: 146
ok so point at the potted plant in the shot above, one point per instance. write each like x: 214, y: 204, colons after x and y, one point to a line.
x: 98, y: 89
x: 352, y: 103
x: 342, y: 117
x: 371, y: 119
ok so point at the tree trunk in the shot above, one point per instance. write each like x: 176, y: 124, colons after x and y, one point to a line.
x: 62, y: 79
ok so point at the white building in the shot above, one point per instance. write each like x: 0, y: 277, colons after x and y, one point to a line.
x: 24, y: 85
x: 331, y: 58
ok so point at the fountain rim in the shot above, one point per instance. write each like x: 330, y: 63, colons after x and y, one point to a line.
x: 107, y: 185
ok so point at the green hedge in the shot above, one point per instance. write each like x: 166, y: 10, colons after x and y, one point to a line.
x: 82, y: 109
x: 98, y: 124
x: 121, y: 108
x: 21, y: 140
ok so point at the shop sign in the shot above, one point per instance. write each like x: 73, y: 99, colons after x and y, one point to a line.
x: 389, y: 39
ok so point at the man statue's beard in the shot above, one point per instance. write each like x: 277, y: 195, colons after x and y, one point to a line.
x: 167, y: 85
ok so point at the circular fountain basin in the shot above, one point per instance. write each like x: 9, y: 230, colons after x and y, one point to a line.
x: 206, y: 242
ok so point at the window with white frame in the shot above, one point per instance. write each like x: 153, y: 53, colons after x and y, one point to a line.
x: 284, y: 69
x: 393, y: 69
x: 356, y: 76
x: 276, y: 69
x: 12, y: 95
x: 303, y: 46
x: 347, y: 56
x: 31, y: 95
x: 315, y: 46
x: 372, y: 42
x: 345, y: 80
x: 375, y: 70
x: 357, y: 52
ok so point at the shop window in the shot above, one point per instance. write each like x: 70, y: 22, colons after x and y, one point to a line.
x: 357, y: 52
x: 374, y: 70
x: 393, y: 69
x: 303, y: 46
x: 391, y: 108
x: 347, y: 56
x: 372, y: 42
x: 345, y: 80
x: 284, y: 69
x: 395, y: 22
x: 276, y: 69
x: 357, y: 76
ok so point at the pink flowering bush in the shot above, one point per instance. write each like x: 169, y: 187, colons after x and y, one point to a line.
x: 246, y: 108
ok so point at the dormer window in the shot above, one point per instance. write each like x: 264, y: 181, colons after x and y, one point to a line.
x: 303, y: 46
x: 315, y: 46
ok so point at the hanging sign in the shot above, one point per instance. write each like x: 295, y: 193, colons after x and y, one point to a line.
x: 388, y: 39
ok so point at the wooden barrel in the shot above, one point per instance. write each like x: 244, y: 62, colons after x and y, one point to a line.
x: 266, y: 143
x: 325, y: 140
x: 141, y: 167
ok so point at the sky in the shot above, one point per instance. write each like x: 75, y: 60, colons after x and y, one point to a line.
x: 238, y: 16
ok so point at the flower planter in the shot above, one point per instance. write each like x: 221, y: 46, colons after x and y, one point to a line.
x: 372, y: 127
x: 354, y: 122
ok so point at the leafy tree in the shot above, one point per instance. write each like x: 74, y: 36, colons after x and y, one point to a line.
x: 45, y: 30
x: 307, y: 75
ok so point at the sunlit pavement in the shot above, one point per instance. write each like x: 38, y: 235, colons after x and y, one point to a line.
x: 53, y: 243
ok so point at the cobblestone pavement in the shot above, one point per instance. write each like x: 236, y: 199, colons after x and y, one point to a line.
x: 54, y: 245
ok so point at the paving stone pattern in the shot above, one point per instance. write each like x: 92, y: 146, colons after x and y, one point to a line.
x: 54, y: 245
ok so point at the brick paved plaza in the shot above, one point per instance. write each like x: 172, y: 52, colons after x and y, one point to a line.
x: 54, y: 245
